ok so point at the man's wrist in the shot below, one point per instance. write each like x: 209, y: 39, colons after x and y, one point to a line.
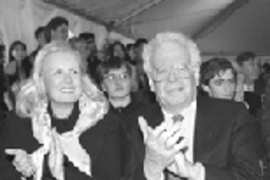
x: 196, y: 172
x: 152, y: 171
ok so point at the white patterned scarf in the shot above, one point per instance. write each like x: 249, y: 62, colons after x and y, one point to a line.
x: 58, y: 145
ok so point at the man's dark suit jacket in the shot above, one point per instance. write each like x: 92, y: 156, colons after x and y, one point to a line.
x: 102, y: 143
x: 255, y: 99
x: 226, y: 142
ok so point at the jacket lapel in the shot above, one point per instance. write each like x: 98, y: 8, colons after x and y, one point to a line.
x: 93, y: 139
x: 154, y: 117
x: 203, y: 133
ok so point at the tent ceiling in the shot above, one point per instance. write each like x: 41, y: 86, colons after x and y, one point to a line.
x: 246, y: 29
x: 219, y: 26
x: 145, y: 18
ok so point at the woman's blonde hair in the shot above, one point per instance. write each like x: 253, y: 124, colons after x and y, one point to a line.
x: 32, y: 95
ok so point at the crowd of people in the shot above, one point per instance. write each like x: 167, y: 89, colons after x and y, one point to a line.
x: 149, y: 110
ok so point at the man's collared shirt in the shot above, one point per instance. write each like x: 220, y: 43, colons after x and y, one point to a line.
x: 188, y: 124
x: 249, y: 88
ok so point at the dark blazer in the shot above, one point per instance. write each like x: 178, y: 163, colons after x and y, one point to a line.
x: 226, y: 142
x: 102, y: 142
x: 254, y: 103
x: 255, y: 99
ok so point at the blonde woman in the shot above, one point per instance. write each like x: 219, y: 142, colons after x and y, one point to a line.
x: 61, y: 128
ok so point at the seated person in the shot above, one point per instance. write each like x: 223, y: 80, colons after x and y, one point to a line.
x: 61, y: 129
x: 114, y: 78
x: 41, y: 40
x: 188, y: 136
x: 218, y: 78
x: 92, y: 58
x: 56, y: 29
x: 17, y: 70
x: 79, y: 45
x: 254, y: 89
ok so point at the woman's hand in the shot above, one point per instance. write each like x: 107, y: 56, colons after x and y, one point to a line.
x: 22, y: 162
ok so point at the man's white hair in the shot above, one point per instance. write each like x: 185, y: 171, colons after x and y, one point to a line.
x: 176, y: 38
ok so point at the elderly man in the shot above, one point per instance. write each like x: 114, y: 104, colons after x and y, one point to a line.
x: 185, y: 136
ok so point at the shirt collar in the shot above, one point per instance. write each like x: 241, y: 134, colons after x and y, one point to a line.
x: 249, y: 88
x: 190, y: 109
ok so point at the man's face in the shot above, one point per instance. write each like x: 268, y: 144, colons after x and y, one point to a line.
x: 62, y: 77
x: 117, y: 83
x: 222, y: 86
x: 91, y: 45
x: 82, y: 48
x: 41, y: 39
x: 60, y: 33
x: 174, y: 79
x: 118, y: 51
x: 250, y: 69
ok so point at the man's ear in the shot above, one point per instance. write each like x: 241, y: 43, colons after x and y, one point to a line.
x: 151, y: 84
x: 103, y: 87
x: 206, y: 88
x: 196, y: 75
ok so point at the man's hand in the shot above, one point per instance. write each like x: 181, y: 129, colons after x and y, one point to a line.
x: 22, y: 162
x: 162, y: 144
x: 187, y: 169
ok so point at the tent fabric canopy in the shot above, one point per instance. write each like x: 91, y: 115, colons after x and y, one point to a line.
x: 220, y: 27
x: 145, y: 18
x: 247, y: 29
x: 20, y: 18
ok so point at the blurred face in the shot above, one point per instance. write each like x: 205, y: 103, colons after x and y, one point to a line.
x: 60, y: 33
x: 222, y: 86
x: 91, y: 45
x: 19, y: 53
x: 118, y: 51
x: 117, y: 83
x: 41, y: 39
x: 139, y: 50
x: 131, y: 53
x: 83, y: 49
x: 62, y: 77
x: 250, y: 69
x: 174, y: 79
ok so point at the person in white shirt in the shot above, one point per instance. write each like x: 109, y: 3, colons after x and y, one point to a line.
x: 214, y: 140
x: 254, y: 87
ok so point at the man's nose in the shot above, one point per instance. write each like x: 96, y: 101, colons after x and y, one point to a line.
x: 172, y: 76
x: 117, y: 80
x: 228, y: 86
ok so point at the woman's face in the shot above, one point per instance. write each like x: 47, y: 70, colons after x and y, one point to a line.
x: 19, y: 52
x: 62, y: 77
x: 117, y: 83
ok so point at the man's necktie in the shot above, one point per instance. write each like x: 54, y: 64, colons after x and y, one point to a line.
x: 170, y: 175
x: 177, y: 117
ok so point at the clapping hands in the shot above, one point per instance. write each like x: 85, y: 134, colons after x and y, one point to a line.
x: 22, y: 162
x: 162, y: 144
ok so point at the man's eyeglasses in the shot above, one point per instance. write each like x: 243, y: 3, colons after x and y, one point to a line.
x: 177, y: 72
x: 114, y: 77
